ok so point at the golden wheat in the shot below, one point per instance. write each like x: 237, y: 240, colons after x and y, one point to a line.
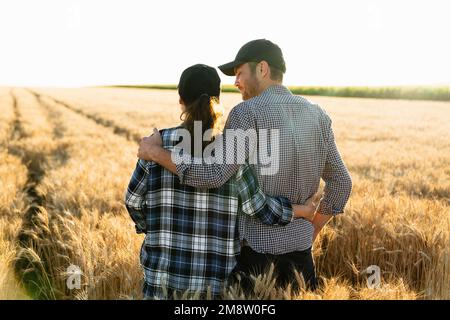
x: 75, y: 150
x: 13, y: 177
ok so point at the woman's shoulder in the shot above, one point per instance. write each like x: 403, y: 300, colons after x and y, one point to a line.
x: 171, y: 130
x: 170, y: 136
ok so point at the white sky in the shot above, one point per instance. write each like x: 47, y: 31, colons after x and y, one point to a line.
x: 345, y: 42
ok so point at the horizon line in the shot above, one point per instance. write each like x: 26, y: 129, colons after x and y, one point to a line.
x: 226, y: 85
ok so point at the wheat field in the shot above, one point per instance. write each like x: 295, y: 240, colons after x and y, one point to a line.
x: 67, y: 156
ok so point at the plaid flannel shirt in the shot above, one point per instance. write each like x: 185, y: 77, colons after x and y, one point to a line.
x: 307, y: 151
x: 191, y: 237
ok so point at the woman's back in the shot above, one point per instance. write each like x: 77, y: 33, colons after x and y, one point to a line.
x: 191, y: 237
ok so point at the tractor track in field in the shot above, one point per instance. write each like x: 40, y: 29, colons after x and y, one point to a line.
x: 17, y: 131
x: 33, y: 228
x: 34, y: 161
x: 60, y: 155
x: 35, y: 236
x: 53, y: 115
x: 109, y: 124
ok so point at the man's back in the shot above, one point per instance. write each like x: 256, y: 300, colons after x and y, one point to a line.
x: 303, y: 132
x: 302, y: 149
x: 306, y: 151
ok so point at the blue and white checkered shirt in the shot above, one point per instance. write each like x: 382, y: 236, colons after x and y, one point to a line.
x: 307, y: 153
x: 191, y: 238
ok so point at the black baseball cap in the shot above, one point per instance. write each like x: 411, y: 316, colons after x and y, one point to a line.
x: 256, y: 51
x: 197, y: 80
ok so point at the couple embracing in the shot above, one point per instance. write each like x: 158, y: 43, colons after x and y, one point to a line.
x: 210, y: 218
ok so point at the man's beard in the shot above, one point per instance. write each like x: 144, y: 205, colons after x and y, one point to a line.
x: 251, y: 89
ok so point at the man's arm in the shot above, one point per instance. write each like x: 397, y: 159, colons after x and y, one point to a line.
x: 338, y: 186
x: 207, y: 175
x: 135, y: 196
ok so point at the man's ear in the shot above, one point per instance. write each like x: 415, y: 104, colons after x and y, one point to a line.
x: 264, y: 69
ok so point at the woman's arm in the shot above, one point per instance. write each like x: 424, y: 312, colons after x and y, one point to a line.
x: 305, y: 211
x: 135, y: 196
x: 270, y: 210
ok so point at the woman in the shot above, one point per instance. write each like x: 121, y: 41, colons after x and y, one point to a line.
x: 191, y: 241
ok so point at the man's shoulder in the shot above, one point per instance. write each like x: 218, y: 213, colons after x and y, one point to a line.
x: 304, y: 101
x: 249, y: 108
x: 311, y: 106
x: 243, y: 111
x: 243, y: 106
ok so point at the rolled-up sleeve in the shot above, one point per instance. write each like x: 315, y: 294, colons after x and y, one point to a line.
x: 253, y: 202
x: 338, y: 183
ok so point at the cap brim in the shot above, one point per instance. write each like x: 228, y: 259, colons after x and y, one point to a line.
x: 228, y: 68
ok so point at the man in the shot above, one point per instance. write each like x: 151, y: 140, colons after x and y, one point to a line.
x: 190, y: 233
x: 307, y: 152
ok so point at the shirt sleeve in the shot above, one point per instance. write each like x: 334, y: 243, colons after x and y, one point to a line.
x: 135, y: 196
x: 253, y: 202
x: 338, y: 183
x: 239, y: 127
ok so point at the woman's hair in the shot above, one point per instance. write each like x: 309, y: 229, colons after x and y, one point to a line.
x: 199, y: 90
x: 205, y: 110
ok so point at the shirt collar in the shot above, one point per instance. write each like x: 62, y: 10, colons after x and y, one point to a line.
x: 277, y: 89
